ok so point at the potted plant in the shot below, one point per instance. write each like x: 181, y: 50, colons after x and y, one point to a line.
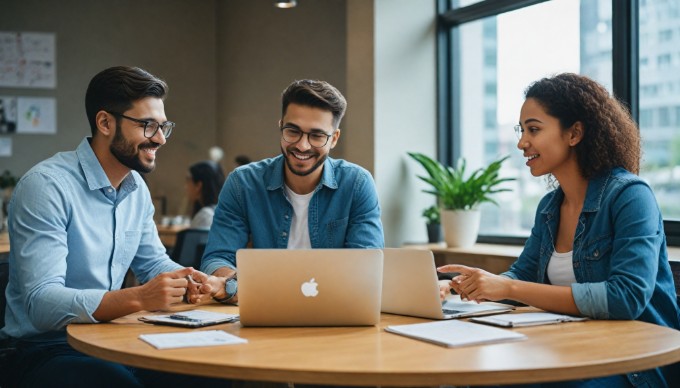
x: 460, y: 197
x: 431, y: 214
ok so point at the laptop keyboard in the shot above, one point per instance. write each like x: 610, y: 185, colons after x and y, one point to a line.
x: 448, y: 311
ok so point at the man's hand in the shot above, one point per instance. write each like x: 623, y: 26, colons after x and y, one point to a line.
x: 164, y: 290
x: 199, y: 287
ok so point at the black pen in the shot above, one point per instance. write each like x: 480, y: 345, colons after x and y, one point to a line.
x: 181, y: 317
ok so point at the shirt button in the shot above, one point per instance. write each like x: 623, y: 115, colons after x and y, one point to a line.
x: 284, y: 234
x: 110, y: 190
x: 286, y: 216
x: 597, y: 253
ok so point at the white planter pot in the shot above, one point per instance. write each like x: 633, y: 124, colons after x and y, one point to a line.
x: 460, y: 227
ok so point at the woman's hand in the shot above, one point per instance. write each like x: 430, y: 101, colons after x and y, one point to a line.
x: 476, y: 284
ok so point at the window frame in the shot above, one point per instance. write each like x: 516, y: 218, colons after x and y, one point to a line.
x: 625, y: 77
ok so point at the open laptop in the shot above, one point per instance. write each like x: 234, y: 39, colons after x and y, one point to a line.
x: 309, y: 287
x: 410, y: 287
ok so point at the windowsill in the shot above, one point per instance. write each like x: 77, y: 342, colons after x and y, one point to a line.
x: 493, y: 252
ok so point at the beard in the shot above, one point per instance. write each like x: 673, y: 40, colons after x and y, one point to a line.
x: 128, y: 155
x: 287, y: 155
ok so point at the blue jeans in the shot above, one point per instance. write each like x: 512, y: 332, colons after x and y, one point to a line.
x: 57, y: 364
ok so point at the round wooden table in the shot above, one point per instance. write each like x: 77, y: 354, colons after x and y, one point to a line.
x: 371, y: 356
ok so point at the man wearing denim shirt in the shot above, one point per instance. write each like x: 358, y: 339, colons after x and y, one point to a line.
x: 77, y: 222
x: 299, y: 199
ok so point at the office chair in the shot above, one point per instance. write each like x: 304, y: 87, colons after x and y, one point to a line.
x: 189, y: 247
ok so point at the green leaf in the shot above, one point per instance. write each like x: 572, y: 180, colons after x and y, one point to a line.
x: 451, y: 188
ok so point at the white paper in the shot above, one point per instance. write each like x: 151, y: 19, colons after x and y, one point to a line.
x: 5, y: 146
x: 37, y: 115
x: 455, y: 333
x: 189, y: 339
x: 28, y: 59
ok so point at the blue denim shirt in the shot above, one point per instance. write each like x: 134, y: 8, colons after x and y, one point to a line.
x: 619, y: 254
x: 343, y: 212
x: 73, y: 237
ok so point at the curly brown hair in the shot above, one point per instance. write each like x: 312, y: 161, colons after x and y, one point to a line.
x: 611, y: 137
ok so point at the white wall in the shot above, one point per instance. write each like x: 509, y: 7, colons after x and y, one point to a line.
x: 405, y: 112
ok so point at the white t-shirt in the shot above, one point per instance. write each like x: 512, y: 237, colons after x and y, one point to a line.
x: 298, y: 237
x: 561, y: 269
x: 204, y: 218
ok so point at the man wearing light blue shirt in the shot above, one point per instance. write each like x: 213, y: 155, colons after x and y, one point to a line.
x: 300, y: 199
x: 77, y: 222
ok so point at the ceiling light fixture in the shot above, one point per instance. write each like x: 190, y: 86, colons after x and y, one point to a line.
x: 286, y: 4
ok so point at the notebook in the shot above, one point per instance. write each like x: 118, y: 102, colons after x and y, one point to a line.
x: 410, y: 287
x: 309, y: 287
x: 527, y: 319
x: 192, y: 318
x: 455, y: 333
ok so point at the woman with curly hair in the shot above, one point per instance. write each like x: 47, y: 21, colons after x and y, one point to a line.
x: 597, y: 248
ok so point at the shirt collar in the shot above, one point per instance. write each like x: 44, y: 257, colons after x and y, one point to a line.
x: 94, y: 173
x: 594, y: 194
x: 275, y: 179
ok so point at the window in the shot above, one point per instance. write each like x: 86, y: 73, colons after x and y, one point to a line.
x: 573, y: 37
x: 661, y: 137
x: 510, y: 43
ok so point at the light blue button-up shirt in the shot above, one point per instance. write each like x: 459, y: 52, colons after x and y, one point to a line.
x: 343, y: 213
x: 73, y: 237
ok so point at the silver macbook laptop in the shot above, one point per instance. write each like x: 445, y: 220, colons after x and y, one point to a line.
x: 309, y: 287
x: 410, y: 287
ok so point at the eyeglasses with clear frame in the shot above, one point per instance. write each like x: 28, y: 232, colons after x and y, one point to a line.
x: 316, y: 139
x: 150, y: 126
x: 518, y: 131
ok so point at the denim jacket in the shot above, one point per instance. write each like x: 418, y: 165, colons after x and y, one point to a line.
x: 343, y: 212
x: 620, y: 259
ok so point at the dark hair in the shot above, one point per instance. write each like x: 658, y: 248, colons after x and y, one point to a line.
x: 316, y: 94
x: 117, y: 88
x: 242, y: 160
x: 610, y: 136
x: 212, y: 177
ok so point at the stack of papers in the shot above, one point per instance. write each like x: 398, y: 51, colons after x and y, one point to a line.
x: 191, y: 339
x: 527, y: 319
x: 193, y: 318
x: 455, y: 333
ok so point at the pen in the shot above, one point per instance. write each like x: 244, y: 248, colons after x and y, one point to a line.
x: 181, y: 317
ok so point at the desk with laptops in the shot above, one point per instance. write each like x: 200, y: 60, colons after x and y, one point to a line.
x: 367, y: 355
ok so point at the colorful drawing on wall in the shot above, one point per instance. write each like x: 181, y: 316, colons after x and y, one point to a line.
x: 8, y: 115
x: 36, y: 115
x: 28, y: 60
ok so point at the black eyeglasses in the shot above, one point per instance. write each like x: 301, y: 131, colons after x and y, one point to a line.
x: 315, y: 139
x: 150, y: 126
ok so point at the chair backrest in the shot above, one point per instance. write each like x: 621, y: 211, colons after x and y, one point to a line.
x: 189, y: 247
x: 675, y: 269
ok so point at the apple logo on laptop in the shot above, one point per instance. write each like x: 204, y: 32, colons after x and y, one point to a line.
x: 309, y: 288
